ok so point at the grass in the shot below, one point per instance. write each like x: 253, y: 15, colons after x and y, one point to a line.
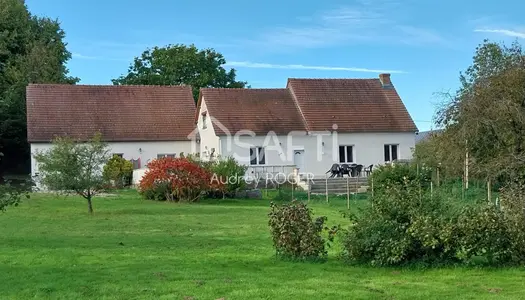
x: 50, y: 248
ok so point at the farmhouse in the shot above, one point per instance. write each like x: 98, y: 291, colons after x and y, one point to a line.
x: 310, y: 125
x: 304, y: 128
x: 140, y: 123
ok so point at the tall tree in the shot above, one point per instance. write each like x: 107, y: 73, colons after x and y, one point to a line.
x: 486, y: 117
x: 180, y: 64
x: 32, y: 50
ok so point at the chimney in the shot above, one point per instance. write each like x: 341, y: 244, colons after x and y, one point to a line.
x: 385, y: 80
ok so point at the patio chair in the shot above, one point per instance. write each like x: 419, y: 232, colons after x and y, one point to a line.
x: 368, y: 170
x: 357, y: 170
x: 335, y: 170
x: 345, y: 169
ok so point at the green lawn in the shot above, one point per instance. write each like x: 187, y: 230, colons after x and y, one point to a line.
x: 50, y: 248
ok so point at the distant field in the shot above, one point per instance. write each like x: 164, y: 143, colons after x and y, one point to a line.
x: 50, y: 248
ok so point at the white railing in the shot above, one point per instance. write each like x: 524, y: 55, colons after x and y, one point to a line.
x: 275, y: 172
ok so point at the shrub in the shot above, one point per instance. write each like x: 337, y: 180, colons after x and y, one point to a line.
x: 483, y: 232
x: 385, y: 176
x: 11, y: 196
x: 230, y: 174
x: 404, y: 225
x: 295, y: 234
x: 400, y: 226
x: 178, y: 179
x: 513, y: 207
x: 118, y: 170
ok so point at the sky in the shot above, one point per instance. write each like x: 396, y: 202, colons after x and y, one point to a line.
x: 423, y: 44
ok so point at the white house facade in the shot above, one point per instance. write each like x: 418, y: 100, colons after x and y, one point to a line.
x: 308, y: 127
x: 140, y: 153
x: 139, y: 123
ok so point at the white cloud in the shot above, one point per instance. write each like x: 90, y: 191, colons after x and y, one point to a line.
x: 87, y: 57
x: 367, y: 20
x: 511, y: 33
x: 81, y: 56
x: 247, y: 64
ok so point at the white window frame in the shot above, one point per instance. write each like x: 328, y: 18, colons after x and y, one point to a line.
x: 390, y: 152
x: 346, y: 161
x: 258, y: 158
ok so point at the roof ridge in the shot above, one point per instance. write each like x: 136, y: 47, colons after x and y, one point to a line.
x: 107, y: 85
x: 247, y: 89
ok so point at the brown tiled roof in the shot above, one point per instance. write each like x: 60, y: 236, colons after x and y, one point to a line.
x: 120, y: 113
x: 258, y: 110
x: 355, y: 105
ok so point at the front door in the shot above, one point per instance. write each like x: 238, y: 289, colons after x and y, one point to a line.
x: 298, y: 159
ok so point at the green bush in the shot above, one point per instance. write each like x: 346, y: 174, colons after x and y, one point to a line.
x: 10, y: 196
x: 385, y: 176
x: 230, y: 174
x: 483, y: 232
x: 156, y: 192
x: 295, y: 234
x: 400, y: 226
x: 405, y: 225
x: 119, y: 171
x: 512, y: 204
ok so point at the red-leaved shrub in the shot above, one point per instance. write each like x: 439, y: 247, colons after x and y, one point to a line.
x: 175, y: 179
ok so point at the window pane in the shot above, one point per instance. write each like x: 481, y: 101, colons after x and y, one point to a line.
x: 387, y: 152
x: 159, y: 156
x: 253, y: 157
x: 262, y: 159
x: 349, y: 154
x: 394, y: 152
x: 342, y: 154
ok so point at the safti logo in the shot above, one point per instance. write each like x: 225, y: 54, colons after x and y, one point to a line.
x: 238, y: 144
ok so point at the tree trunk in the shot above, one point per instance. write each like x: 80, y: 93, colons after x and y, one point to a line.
x: 90, y: 205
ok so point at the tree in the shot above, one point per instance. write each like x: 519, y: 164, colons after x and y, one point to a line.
x: 74, y: 167
x: 180, y: 65
x: 433, y: 152
x: 32, y: 50
x: 486, y: 116
x: 118, y: 170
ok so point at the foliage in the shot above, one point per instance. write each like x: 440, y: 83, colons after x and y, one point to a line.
x: 180, y: 65
x: 32, y: 50
x: 230, y: 174
x: 401, y: 225
x: 196, y: 159
x: 385, y: 176
x: 433, y: 153
x: 512, y: 204
x: 11, y: 196
x: 486, y: 116
x: 119, y: 170
x: 483, y: 231
x: 178, y: 179
x: 404, y: 225
x: 295, y: 234
x: 74, y: 166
